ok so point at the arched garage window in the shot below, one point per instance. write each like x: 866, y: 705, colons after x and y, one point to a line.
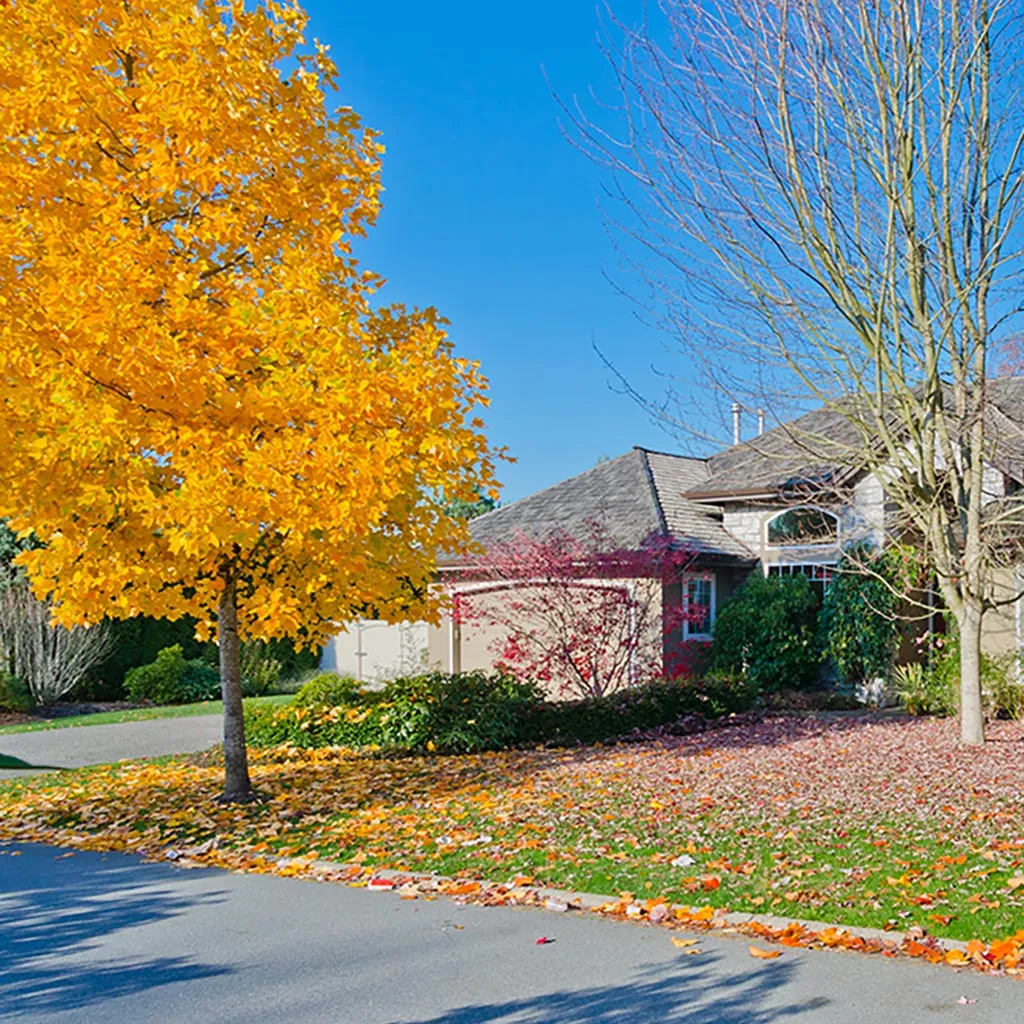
x: 803, y: 527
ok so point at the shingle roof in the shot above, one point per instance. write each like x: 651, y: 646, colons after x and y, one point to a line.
x: 798, y: 452
x: 790, y: 455
x: 634, y: 497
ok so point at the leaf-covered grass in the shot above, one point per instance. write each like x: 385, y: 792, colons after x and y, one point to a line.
x: 857, y: 821
x: 205, y: 707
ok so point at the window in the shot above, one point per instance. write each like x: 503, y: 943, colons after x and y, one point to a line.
x: 803, y: 527
x: 698, y: 607
x: 819, y: 574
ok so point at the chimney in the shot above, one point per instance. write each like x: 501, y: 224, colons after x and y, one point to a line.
x: 735, y: 422
x: 760, y: 422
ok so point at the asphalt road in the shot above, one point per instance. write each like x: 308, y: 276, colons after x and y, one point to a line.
x: 77, y: 746
x: 109, y: 939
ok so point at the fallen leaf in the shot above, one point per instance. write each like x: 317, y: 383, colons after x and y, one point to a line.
x: 684, y: 943
x: 764, y: 954
x: 544, y: 940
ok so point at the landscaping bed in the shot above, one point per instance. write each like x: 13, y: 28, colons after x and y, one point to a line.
x: 874, y: 821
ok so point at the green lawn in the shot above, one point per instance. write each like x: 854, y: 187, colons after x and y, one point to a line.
x: 206, y: 707
x: 858, y: 821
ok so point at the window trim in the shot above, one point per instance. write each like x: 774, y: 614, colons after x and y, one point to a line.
x: 828, y: 567
x: 709, y: 577
x: 814, y: 546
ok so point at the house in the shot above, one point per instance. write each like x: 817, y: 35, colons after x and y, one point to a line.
x: 758, y: 505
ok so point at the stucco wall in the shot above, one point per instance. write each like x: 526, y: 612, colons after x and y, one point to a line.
x: 1000, y: 633
x: 476, y: 643
x: 376, y: 651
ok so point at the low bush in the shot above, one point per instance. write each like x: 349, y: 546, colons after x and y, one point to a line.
x: 768, y: 632
x: 14, y: 694
x: 457, y: 713
x: 642, y: 707
x: 329, y: 689
x: 475, y: 711
x: 171, y: 679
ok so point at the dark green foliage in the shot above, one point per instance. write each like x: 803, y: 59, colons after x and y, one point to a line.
x: 137, y: 642
x: 294, y: 662
x: 858, y: 626
x: 173, y: 679
x: 768, y: 632
x: 14, y: 694
x: 456, y: 713
x: 481, y: 711
x: 330, y: 690
x: 642, y: 707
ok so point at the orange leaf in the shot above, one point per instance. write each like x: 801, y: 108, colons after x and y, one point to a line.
x: 764, y: 954
x: 957, y: 957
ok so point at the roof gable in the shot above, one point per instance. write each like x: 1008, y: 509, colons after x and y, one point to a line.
x: 632, y: 498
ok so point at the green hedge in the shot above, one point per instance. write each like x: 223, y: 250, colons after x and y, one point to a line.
x: 475, y: 711
x: 14, y: 694
x: 173, y: 679
x: 138, y: 641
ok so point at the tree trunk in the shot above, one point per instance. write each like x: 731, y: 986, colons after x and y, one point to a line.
x: 237, y: 787
x: 972, y: 726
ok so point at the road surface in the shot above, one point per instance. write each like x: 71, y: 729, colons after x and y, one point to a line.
x: 93, y: 937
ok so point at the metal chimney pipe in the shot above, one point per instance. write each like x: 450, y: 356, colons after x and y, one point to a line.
x: 735, y: 422
x: 760, y: 422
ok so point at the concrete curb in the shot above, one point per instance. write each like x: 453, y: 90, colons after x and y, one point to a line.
x: 590, y: 901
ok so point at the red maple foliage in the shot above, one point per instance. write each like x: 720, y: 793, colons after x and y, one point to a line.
x: 579, y: 614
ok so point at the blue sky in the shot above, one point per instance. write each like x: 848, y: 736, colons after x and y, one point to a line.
x: 491, y: 215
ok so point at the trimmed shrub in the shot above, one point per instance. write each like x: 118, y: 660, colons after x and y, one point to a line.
x: 170, y: 679
x: 768, y: 633
x: 329, y: 689
x: 480, y: 711
x: 137, y: 642
x: 640, y: 707
x: 457, y: 713
x: 14, y: 694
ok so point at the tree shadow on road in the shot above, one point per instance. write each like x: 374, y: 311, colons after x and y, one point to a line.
x: 681, y: 992
x: 48, y: 916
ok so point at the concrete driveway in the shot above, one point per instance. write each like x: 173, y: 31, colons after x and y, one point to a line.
x: 90, y: 937
x: 77, y: 746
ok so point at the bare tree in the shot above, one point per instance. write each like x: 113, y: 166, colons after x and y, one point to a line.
x: 48, y: 658
x: 823, y: 198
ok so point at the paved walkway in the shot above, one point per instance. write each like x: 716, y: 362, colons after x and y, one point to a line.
x: 107, y: 938
x: 76, y: 746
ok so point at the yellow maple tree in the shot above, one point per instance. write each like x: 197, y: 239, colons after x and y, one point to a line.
x: 202, y: 410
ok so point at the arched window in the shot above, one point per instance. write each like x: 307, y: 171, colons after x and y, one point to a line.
x: 803, y: 527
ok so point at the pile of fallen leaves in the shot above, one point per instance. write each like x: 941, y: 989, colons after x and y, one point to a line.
x: 877, y: 822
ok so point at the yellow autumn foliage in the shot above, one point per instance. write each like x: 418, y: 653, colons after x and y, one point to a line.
x: 193, y: 372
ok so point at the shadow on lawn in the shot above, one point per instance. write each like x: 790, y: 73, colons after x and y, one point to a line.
x: 50, y: 911
x: 682, y: 992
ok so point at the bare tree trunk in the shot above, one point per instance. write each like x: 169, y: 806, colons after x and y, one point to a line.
x: 972, y: 726
x: 237, y: 787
